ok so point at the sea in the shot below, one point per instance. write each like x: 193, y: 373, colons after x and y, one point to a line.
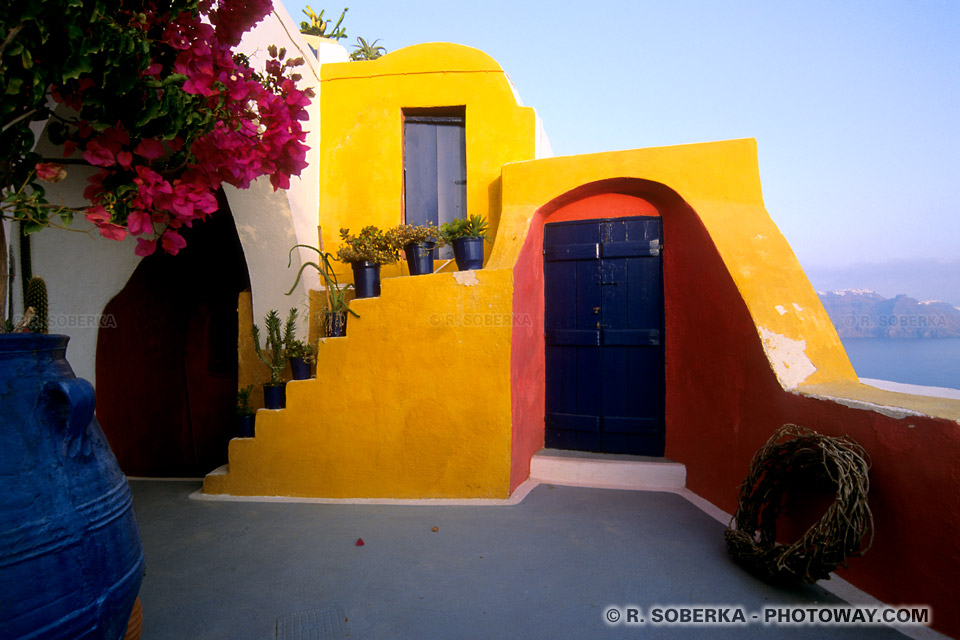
x: 931, y: 362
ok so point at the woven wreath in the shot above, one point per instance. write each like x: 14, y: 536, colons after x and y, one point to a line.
x: 796, y: 458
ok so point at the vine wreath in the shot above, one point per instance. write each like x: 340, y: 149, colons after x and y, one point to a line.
x: 797, y: 458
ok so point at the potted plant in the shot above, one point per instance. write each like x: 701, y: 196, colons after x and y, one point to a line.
x: 317, y: 26
x: 418, y: 243
x: 300, y: 354
x: 274, y: 395
x: 246, y: 415
x: 467, y: 236
x: 365, y: 253
x: 367, y: 51
x: 335, y: 318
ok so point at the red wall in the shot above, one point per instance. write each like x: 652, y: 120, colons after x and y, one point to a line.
x: 723, y: 402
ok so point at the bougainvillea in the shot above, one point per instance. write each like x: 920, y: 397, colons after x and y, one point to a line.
x: 151, y: 94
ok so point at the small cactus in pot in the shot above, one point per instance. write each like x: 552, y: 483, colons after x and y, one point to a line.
x: 35, y: 298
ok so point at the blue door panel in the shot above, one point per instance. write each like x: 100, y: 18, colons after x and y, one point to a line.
x: 623, y: 338
x: 420, y: 173
x: 603, y: 328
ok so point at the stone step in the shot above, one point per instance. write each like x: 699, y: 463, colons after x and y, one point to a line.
x: 583, y: 469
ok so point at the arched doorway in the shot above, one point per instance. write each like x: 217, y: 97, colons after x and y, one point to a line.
x: 167, y: 355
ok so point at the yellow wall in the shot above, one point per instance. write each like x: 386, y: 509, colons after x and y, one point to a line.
x: 413, y: 403
x: 361, y: 179
x: 416, y: 401
x: 721, y: 182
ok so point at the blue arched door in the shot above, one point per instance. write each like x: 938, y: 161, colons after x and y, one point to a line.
x: 603, y: 326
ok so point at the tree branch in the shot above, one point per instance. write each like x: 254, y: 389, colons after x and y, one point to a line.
x: 10, y: 36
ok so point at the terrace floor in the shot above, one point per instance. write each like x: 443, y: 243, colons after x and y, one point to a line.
x: 548, y: 567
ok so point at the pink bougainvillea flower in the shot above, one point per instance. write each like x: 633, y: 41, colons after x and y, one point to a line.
x: 145, y: 247
x: 139, y: 222
x: 99, y: 155
x: 256, y: 130
x: 51, y: 171
x: 112, y: 231
x: 149, y: 149
x: 172, y: 242
x: 234, y: 18
x: 97, y: 215
x: 95, y: 187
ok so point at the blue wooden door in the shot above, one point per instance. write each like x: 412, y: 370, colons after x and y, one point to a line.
x: 603, y: 326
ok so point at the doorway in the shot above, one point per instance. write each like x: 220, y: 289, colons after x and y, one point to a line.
x: 167, y: 359
x: 603, y: 331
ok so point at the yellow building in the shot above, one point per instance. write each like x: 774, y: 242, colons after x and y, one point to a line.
x: 449, y: 383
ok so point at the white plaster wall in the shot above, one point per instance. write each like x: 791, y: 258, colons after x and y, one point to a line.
x: 270, y: 224
x: 85, y: 271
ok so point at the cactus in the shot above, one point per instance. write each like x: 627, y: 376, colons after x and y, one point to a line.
x: 274, y: 357
x: 36, y: 297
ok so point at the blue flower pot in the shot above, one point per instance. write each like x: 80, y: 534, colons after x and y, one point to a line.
x: 299, y: 369
x: 468, y: 252
x: 274, y: 396
x: 335, y: 324
x: 246, y: 426
x: 71, y: 561
x: 366, y: 279
x: 420, y: 257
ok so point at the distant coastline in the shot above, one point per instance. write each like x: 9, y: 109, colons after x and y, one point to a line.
x: 861, y: 313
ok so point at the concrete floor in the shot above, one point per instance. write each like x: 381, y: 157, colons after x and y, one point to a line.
x: 549, y: 567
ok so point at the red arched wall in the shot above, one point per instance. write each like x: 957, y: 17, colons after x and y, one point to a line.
x: 723, y: 401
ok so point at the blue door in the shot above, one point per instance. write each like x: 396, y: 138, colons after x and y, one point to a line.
x: 603, y: 325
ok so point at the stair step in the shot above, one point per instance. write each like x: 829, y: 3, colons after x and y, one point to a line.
x: 582, y: 469
x: 222, y: 470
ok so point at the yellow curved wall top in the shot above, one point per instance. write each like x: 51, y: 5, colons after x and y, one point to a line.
x: 361, y: 149
x: 721, y: 182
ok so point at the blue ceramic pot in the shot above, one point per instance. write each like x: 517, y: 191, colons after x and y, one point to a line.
x: 274, y: 396
x: 246, y: 426
x: 420, y: 257
x: 366, y: 279
x: 299, y: 369
x: 468, y: 252
x: 336, y: 324
x: 70, y: 555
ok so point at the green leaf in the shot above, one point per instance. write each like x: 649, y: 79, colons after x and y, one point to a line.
x: 30, y: 226
x: 14, y: 85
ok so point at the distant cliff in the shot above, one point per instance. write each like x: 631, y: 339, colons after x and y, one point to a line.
x: 858, y: 313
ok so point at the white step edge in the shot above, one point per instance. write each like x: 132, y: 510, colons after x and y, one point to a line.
x: 607, y: 474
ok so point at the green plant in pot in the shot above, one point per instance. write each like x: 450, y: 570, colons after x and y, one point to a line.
x: 364, y: 50
x: 272, y: 355
x: 418, y: 243
x: 245, y: 413
x: 300, y: 354
x: 467, y: 236
x: 338, y: 306
x: 317, y: 26
x: 366, y: 252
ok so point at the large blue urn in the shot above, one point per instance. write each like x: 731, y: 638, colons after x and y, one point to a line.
x: 71, y: 561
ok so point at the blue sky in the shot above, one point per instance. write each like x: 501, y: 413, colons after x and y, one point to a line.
x: 855, y: 104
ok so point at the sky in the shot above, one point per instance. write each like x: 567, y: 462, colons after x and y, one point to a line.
x: 855, y: 104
